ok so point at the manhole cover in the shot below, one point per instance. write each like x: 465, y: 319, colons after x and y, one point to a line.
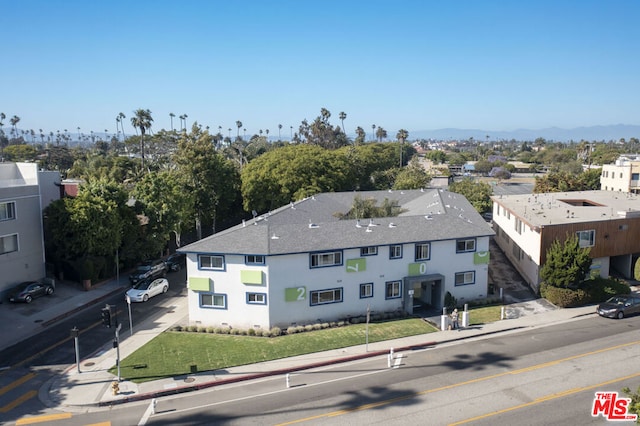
x: 89, y: 364
x: 37, y: 321
x: 189, y: 380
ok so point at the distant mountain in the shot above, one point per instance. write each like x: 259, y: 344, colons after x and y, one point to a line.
x: 592, y: 133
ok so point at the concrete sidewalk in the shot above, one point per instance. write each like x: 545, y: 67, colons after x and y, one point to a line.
x: 91, y: 388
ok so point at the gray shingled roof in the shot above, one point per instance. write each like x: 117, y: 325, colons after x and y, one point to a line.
x: 312, y: 224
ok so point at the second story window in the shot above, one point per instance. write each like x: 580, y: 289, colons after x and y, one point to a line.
x: 211, y: 262
x: 254, y: 259
x: 368, y: 251
x: 423, y: 251
x: 7, y: 211
x: 319, y: 260
x: 395, y: 252
x: 464, y: 246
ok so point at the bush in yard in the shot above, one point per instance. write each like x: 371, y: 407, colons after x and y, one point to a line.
x: 193, y: 328
x: 567, y: 264
x: 308, y: 327
x: 450, y: 302
x: 275, y: 331
x: 564, y: 297
x: 251, y: 332
x: 300, y: 328
x: 235, y: 332
x: 317, y: 326
x: 292, y: 329
x: 600, y: 289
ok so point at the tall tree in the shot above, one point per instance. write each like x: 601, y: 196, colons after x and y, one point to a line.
x: 14, y: 122
x: 566, y: 264
x: 373, y: 131
x: 142, y: 120
x: 342, y: 116
x: 381, y: 133
x: 121, y: 118
x: 402, y: 136
x: 171, y: 116
x: 238, y: 125
x: 360, y: 135
x: 279, y: 129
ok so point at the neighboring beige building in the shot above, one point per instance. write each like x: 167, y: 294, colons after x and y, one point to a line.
x: 24, y: 193
x: 607, y: 222
x: 623, y: 176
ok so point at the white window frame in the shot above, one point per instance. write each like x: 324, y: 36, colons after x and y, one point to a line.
x: 325, y: 259
x: 395, y: 251
x: 211, y: 258
x: 393, y: 289
x: 369, y: 251
x: 256, y: 298
x: 366, y: 290
x: 254, y: 259
x: 465, y: 278
x: 7, y: 211
x: 419, y: 248
x: 4, y: 244
x: 469, y: 245
x: 586, y: 238
x: 218, y: 300
x: 326, y: 296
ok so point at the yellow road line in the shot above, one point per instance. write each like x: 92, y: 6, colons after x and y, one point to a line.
x: 10, y: 406
x: 17, y: 383
x: 45, y: 418
x: 544, y: 399
x: 468, y: 382
x: 100, y: 424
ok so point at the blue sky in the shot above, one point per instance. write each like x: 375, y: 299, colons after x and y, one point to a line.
x: 417, y: 65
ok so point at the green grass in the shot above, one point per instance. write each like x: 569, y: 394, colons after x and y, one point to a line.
x: 484, y: 314
x: 173, y: 353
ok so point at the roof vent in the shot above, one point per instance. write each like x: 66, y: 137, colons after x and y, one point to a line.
x: 313, y: 226
x: 392, y: 225
x: 358, y: 224
x: 371, y: 223
x: 275, y: 237
x: 369, y: 229
x: 243, y: 223
x: 428, y: 217
x: 292, y: 206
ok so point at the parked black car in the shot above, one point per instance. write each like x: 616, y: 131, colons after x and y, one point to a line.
x: 619, y: 306
x: 176, y: 262
x: 149, y: 269
x: 29, y: 290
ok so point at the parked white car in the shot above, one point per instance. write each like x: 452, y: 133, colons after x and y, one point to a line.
x: 143, y: 290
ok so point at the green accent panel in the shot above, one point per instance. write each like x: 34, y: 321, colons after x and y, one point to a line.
x: 417, y: 269
x: 356, y: 265
x: 251, y: 277
x: 295, y: 294
x: 199, y: 284
x: 480, y: 257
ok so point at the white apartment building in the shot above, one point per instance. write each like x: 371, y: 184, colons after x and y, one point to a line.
x: 302, y: 263
x: 24, y: 193
x: 623, y: 175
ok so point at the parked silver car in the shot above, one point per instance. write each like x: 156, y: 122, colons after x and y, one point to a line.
x: 619, y: 306
x: 145, y: 289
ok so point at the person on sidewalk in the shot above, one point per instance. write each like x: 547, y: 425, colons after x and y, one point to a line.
x: 454, y: 319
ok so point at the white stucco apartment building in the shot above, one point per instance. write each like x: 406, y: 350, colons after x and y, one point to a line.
x: 607, y: 222
x: 623, y: 175
x: 302, y: 264
x: 24, y: 193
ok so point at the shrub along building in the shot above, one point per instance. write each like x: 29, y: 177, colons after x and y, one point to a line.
x: 325, y: 259
x: 606, y: 222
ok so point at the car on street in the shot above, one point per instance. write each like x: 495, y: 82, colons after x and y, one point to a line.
x: 145, y: 289
x: 148, y: 269
x: 619, y: 306
x: 176, y: 262
x: 29, y: 290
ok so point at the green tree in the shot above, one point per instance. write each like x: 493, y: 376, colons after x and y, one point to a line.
x: 342, y: 116
x: 360, y: 135
x: 566, y: 264
x: 402, y: 136
x: 212, y: 180
x: 291, y: 173
x: 414, y: 176
x: 436, y: 156
x: 477, y: 193
x: 142, y: 120
x: 20, y: 152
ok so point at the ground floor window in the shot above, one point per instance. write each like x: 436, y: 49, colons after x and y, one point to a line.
x: 322, y: 297
x: 213, y: 300
x: 366, y: 290
x: 393, y: 290
x: 256, y: 298
x: 465, y: 278
x: 8, y: 243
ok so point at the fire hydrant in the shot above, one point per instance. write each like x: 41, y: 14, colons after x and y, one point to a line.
x: 115, y: 387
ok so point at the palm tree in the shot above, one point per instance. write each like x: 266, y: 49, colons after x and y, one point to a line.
x: 121, y: 116
x: 402, y: 136
x: 291, y: 132
x: 279, y: 129
x: 373, y: 129
x: 78, y: 133
x: 2, y: 117
x: 184, y: 117
x: 171, y: 115
x: 381, y: 133
x: 342, y: 116
x: 142, y: 120
x: 238, y: 125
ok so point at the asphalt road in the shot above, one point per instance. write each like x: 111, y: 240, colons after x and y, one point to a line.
x: 538, y: 377
x: 35, y: 360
